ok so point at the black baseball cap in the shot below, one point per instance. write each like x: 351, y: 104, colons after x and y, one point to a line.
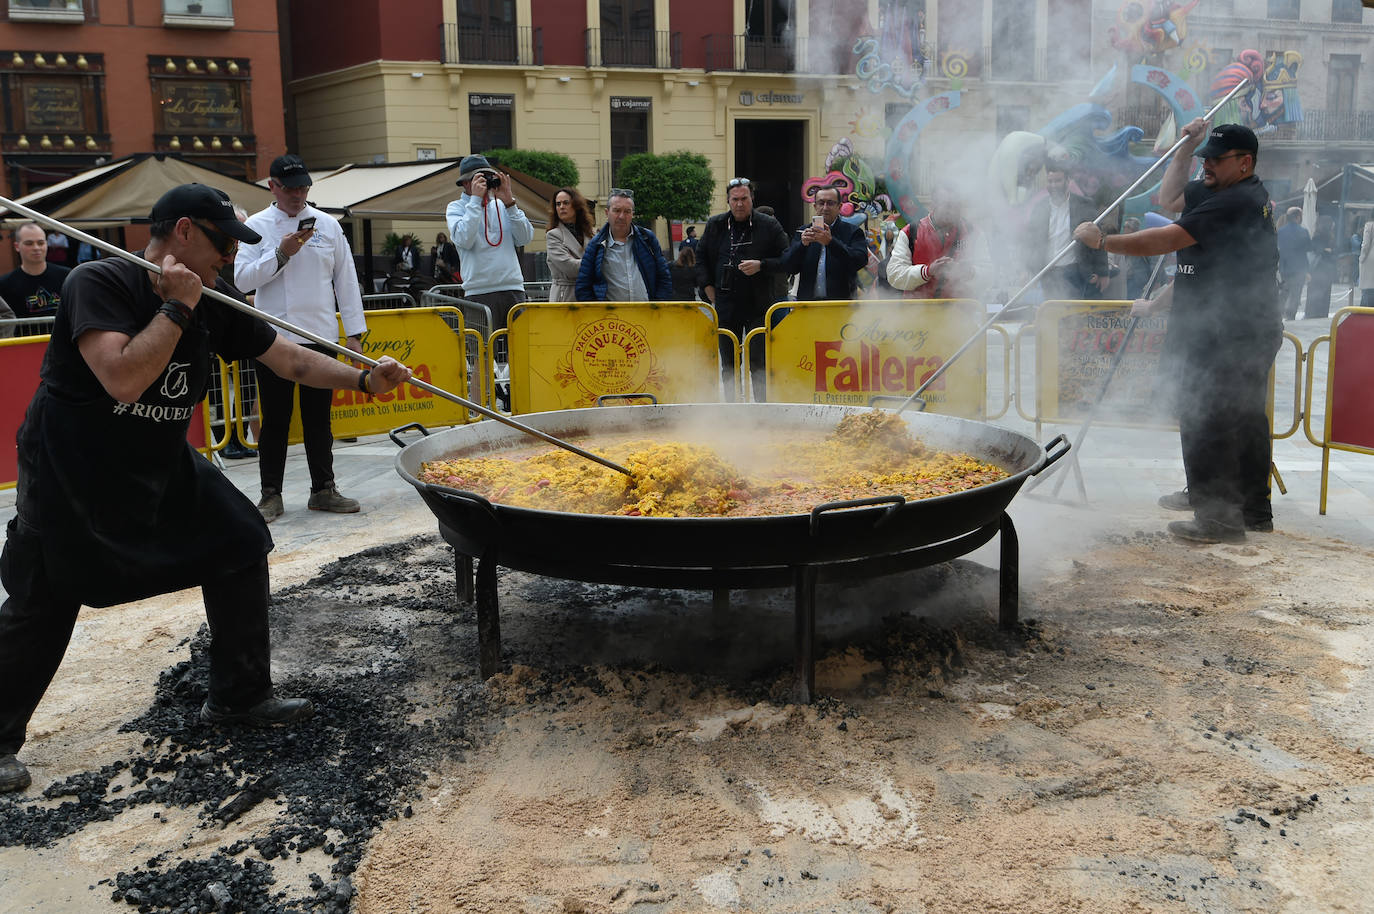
x: 289, y: 170
x: 199, y: 201
x: 1226, y: 137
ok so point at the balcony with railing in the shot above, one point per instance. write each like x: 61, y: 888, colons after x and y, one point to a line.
x: 497, y: 44
x: 1319, y: 125
x: 635, y: 48
x: 764, y: 54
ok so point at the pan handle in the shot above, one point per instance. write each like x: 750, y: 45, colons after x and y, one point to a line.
x: 893, y: 502
x: 395, y: 433
x: 1052, y: 456
x: 604, y: 398
x: 920, y: 403
x: 448, y: 493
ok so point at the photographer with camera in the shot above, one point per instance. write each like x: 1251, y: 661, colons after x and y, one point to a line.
x: 487, y: 226
x: 739, y: 250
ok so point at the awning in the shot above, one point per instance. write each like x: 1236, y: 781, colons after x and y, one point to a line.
x: 125, y: 190
x: 414, y: 190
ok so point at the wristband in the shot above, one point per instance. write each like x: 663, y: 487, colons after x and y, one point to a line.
x: 925, y: 273
x: 181, y: 306
x: 182, y: 320
x: 362, y: 380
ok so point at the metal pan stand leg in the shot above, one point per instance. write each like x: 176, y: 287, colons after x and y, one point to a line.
x: 488, y: 617
x: 1009, y: 582
x: 462, y: 571
x: 804, y: 662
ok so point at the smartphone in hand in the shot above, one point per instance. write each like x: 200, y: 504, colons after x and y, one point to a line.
x: 306, y: 224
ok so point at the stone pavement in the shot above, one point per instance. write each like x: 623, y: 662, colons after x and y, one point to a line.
x: 1124, y: 469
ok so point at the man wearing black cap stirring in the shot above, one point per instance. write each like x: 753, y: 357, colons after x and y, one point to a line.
x: 113, y: 504
x: 302, y: 271
x: 1225, y: 327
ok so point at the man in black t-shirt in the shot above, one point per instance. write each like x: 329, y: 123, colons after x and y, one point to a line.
x: 113, y: 504
x: 35, y: 289
x: 1225, y: 328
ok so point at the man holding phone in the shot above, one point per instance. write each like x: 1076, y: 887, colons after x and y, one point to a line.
x: 828, y: 253
x: 300, y: 269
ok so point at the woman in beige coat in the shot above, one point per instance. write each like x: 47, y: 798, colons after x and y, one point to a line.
x: 570, y: 225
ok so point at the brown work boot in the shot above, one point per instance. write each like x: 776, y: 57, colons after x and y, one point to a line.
x: 1206, y: 531
x: 1176, y: 501
x: 13, y: 774
x: 271, y: 507
x: 271, y: 712
x: 330, y: 500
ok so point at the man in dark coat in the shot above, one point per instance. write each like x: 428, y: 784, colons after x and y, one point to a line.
x: 828, y: 253
x: 740, y: 252
x: 1080, y: 274
x: 623, y: 261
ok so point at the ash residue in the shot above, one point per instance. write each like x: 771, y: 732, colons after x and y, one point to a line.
x: 333, y: 780
x: 377, y: 642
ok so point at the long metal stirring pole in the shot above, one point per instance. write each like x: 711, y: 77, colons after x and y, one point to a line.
x: 332, y: 345
x: 1057, y: 257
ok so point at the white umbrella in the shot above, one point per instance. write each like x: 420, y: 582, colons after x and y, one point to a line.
x: 1309, y: 205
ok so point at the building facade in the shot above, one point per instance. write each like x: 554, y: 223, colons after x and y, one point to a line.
x: 768, y: 89
x: 84, y: 82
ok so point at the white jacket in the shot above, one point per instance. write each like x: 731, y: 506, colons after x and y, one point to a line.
x: 318, y: 280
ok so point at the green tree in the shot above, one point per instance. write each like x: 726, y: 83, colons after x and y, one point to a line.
x: 553, y: 167
x: 675, y: 185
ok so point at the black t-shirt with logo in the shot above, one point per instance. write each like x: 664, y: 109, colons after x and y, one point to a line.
x: 125, y: 506
x: 34, y: 296
x: 1226, y: 302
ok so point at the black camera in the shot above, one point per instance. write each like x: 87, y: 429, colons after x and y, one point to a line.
x: 727, y: 275
x: 493, y: 179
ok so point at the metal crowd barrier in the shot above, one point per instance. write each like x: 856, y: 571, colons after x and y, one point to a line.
x: 25, y: 326
x: 388, y: 300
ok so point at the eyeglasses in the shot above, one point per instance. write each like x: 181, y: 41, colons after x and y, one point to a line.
x: 737, y: 182
x: 621, y: 192
x: 1229, y: 155
x: 223, y: 243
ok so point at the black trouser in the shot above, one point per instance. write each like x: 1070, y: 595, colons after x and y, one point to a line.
x: 1290, y: 293
x: 1224, y: 430
x: 1067, y: 282
x: 738, y: 322
x: 275, y: 407
x: 36, y: 626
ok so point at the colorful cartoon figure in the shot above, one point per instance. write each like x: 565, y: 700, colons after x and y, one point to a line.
x: 854, y: 179
x: 1152, y: 27
x: 1271, y: 98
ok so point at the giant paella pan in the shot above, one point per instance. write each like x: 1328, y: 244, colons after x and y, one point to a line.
x: 860, y: 537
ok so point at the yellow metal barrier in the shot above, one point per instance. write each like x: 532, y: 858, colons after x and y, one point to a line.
x: 1075, y: 342
x: 429, y: 340
x: 564, y: 355
x: 1349, y: 421
x: 853, y: 351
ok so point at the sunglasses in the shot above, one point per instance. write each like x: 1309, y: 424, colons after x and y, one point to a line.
x: 222, y: 242
x: 621, y: 192
x: 1229, y: 155
x: 737, y: 182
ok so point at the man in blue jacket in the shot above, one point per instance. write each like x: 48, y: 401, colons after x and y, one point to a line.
x: 828, y: 253
x: 623, y: 261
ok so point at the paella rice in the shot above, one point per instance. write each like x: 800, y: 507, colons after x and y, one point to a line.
x: 867, y: 454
